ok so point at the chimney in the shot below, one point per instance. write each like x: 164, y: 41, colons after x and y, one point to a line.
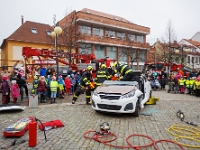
x: 22, y: 19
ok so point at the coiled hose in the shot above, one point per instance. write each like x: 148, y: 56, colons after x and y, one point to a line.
x: 99, y: 137
x: 185, y: 132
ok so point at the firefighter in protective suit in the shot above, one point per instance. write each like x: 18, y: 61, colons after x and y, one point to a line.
x: 85, y: 85
x: 102, y: 75
x: 125, y: 71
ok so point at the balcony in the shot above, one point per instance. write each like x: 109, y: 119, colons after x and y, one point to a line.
x: 112, y: 41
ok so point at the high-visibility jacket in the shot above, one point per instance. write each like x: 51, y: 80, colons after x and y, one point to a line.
x: 181, y: 82
x: 53, y: 86
x: 187, y: 83
x: 123, y: 69
x: 197, y: 85
x: 102, y: 75
x: 85, y: 80
x: 191, y: 85
x: 35, y: 84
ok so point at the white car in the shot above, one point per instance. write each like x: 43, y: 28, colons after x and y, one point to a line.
x: 122, y: 96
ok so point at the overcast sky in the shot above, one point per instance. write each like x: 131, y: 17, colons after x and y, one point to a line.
x: 155, y: 14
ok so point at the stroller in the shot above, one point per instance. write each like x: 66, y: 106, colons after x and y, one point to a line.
x: 173, y: 87
x: 155, y: 84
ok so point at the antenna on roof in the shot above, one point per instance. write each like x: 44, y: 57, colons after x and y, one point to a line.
x: 22, y: 19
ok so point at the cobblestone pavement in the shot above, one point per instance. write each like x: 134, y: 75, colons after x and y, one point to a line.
x: 80, y: 118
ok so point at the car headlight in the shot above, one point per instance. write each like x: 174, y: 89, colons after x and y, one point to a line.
x: 95, y: 93
x: 128, y: 95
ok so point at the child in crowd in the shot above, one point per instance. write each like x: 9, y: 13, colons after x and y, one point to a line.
x: 5, y: 88
x: 42, y: 89
x: 73, y: 81
x: 162, y: 82
x: 35, y: 85
x: 68, y: 84
x: 48, y: 80
x: 53, y: 87
x: 182, y: 85
x: 14, y: 90
x: 21, y: 72
x: 61, y: 85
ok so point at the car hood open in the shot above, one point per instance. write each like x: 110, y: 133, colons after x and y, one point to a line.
x: 115, y: 89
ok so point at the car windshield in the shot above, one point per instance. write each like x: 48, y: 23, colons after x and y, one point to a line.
x: 119, y: 83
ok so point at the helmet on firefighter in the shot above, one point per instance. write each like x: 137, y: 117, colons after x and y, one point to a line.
x: 89, y: 68
x: 103, y: 66
x: 115, y: 64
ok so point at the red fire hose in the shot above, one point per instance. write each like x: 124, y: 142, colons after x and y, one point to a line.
x: 99, y: 137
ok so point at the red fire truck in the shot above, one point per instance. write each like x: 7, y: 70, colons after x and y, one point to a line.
x: 73, y: 60
x: 157, y: 66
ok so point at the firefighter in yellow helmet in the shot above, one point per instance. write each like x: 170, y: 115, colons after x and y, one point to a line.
x: 84, y: 86
x: 125, y: 71
x: 102, y: 75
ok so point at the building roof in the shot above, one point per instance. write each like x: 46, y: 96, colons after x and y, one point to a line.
x: 94, y: 12
x: 195, y: 43
x: 24, y: 33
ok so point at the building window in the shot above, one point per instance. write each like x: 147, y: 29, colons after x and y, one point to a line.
x: 196, y: 60
x: 121, y: 35
x: 48, y: 32
x: 98, y: 31
x: 112, y: 52
x: 193, y: 60
x: 99, y: 51
x: 110, y: 33
x: 142, y: 55
x: 84, y: 29
x: 193, y: 50
x: 34, y: 30
x: 140, y: 39
x: 131, y: 37
x: 188, y: 59
x: 133, y: 58
x: 123, y: 55
x: 85, y: 49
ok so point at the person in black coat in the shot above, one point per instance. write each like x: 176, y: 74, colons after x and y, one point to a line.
x: 163, y: 82
x: 22, y: 84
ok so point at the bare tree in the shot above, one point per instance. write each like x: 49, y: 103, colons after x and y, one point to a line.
x: 70, y: 36
x: 166, y: 51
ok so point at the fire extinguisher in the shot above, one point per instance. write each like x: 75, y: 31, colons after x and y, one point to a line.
x: 33, y: 133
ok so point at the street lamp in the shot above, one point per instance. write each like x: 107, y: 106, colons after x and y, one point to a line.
x: 182, y: 50
x: 54, y: 34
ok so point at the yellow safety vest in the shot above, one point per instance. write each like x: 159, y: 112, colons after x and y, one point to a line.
x: 53, y: 86
x: 187, y: 82
x: 197, y: 84
x: 191, y: 83
x: 181, y: 81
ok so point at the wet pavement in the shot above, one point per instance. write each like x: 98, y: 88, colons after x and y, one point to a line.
x: 79, y: 118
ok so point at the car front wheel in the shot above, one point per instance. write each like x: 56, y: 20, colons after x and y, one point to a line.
x: 137, y: 110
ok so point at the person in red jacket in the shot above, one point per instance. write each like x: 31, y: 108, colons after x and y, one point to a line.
x: 68, y: 84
